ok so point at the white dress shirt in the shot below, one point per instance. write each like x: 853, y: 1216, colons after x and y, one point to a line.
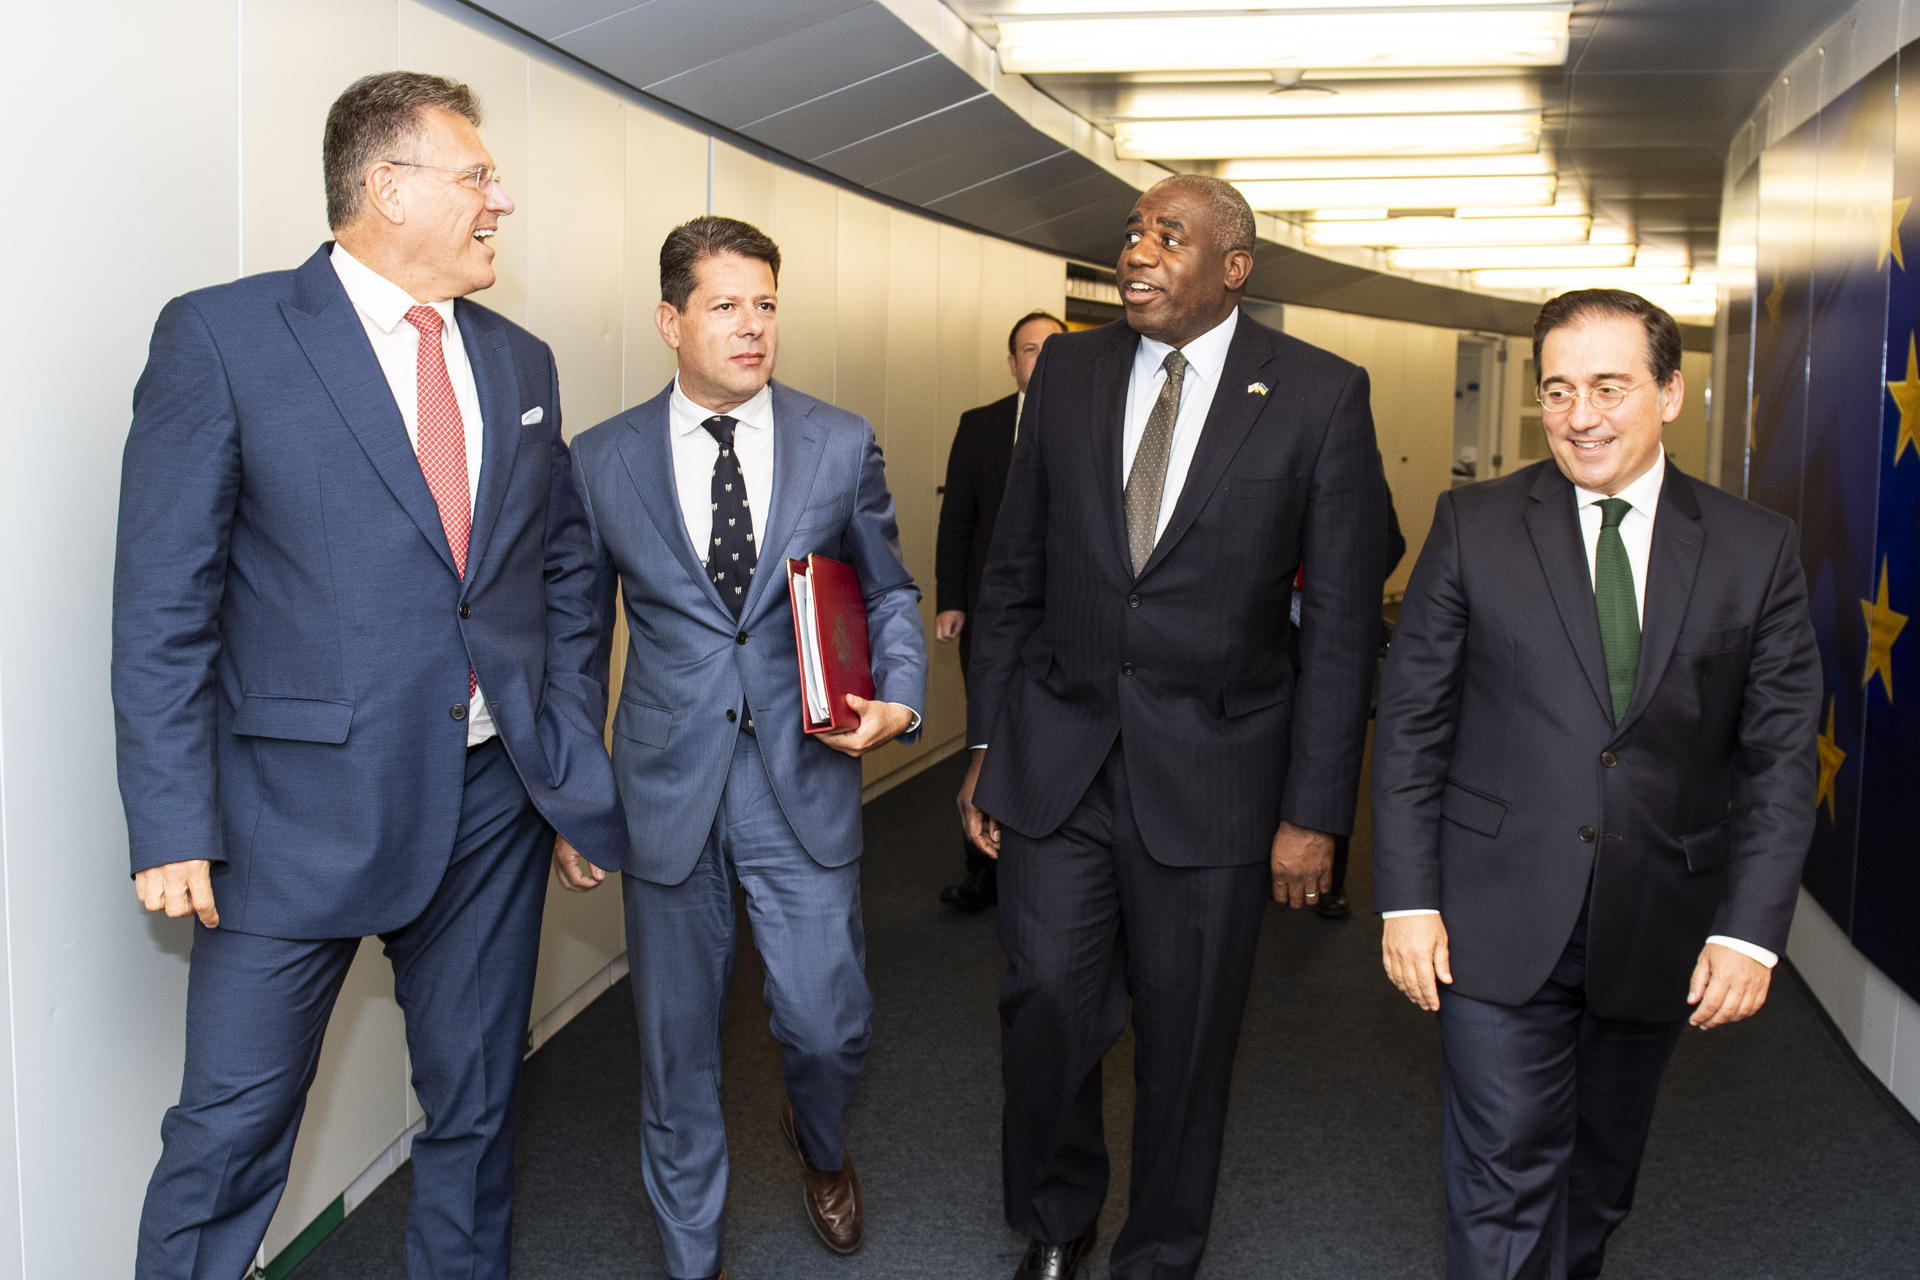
x: 1206, y: 358
x: 382, y: 307
x: 1636, y: 532
x: 695, y: 451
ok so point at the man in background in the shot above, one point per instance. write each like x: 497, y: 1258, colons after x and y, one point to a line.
x: 690, y: 496
x: 352, y: 651
x: 1593, y: 789
x: 976, y: 477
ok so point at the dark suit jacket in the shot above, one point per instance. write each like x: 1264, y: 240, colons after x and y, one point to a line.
x: 1505, y: 796
x: 1187, y: 662
x: 976, y: 479
x: 290, y: 637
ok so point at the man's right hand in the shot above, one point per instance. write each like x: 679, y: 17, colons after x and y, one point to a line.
x: 573, y: 871
x: 981, y: 830
x: 947, y: 623
x: 179, y: 889
x: 1414, y: 950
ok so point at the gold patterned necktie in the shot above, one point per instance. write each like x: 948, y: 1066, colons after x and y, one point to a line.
x: 1149, y: 474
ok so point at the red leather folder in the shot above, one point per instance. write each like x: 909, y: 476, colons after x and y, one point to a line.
x: 830, y: 632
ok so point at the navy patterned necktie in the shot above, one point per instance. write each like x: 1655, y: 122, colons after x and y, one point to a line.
x: 730, y: 557
x: 1613, y: 600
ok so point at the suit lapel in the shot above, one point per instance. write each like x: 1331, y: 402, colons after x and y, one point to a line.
x: 1107, y: 403
x: 493, y: 377
x: 646, y: 451
x: 1229, y: 418
x: 329, y: 332
x: 1554, y: 527
x: 1672, y: 564
x: 798, y: 444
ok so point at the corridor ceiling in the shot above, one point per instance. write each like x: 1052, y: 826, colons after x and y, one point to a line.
x: 909, y: 99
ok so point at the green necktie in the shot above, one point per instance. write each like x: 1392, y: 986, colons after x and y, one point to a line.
x: 1613, y: 599
x: 1147, y: 478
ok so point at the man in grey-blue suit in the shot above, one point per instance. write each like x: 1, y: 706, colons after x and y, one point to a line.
x: 695, y: 499
x: 352, y: 676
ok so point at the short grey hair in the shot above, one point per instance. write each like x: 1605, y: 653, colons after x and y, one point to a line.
x: 1232, y: 215
x: 376, y: 116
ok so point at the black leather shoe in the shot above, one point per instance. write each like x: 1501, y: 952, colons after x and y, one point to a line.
x: 977, y: 892
x: 1333, y: 906
x: 1056, y: 1261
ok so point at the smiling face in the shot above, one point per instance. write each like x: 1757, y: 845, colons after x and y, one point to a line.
x: 1026, y: 348
x: 728, y: 335
x: 1176, y: 278
x: 1605, y: 450
x: 445, y: 238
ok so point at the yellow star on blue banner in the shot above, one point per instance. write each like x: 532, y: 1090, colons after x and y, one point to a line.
x: 1883, y: 628
x: 1831, y: 758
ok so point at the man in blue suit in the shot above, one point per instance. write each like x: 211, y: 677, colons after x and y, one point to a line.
x: 353, y: 680
x: 695, y: 499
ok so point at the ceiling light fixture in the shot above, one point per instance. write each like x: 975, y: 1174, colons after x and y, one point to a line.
x: 1392, y: 233
x: 1516, y: 256
x: 1399, y: 193
x: 1446, y: 166
x: 1561, y: 279
x: 1322, y: 136
x: 1419, y: 36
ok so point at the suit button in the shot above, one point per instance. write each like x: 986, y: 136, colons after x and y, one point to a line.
x: 740, y: 637
x: 732, y: 715
x: 1133, y: 602
x: 1609, y: 759
x: 459, y: 711
x: 466, y: 610
x: 1586, y: 835
x: 1126, y: 668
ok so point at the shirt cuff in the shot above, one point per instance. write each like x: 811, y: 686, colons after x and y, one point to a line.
x: 1747, y: 949
x: 1410, y: 911
x: 915, y: 726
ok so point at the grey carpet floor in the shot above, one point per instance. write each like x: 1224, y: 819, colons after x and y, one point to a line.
x: 1774, y: 1156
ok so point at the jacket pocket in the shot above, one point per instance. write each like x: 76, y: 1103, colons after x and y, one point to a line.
x: 1244, y: 696
x: 296, y: 719
x: 1707, y: 848
x: 643, y: 723
x: 1465, y: 807
x: 1710, y: 641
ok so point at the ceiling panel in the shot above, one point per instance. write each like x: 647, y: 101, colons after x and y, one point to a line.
x: 940, y: 154
x: 860, y: 110
x: 1015, y: 202
x: 551, y: 19
x: 762, y: 79
x: 666, y: 38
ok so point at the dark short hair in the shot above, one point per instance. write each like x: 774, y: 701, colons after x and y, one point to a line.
x: 708, y: 236
x: 1663, y: 335
x: 1233, y: 224
x: 376, y: 116
x: 1028, y: 319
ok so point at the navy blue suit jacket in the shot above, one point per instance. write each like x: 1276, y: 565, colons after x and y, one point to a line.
x: 1187, y: 661
x: 1505, y: 795
x: 291, y: 639
x: 691, y: 665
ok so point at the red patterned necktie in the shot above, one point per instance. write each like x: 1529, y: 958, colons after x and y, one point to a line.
x: 441, y: 442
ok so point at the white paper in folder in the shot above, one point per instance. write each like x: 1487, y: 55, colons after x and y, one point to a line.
x: 816, y: 678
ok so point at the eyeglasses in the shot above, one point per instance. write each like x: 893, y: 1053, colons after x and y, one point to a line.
x: 480, y: 177
x: 1555, y: 401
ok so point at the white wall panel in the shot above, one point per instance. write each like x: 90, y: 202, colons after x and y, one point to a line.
x: 295, y: 58
x: 666, y: 185
x: 805, y: 223
x: 97, y: 988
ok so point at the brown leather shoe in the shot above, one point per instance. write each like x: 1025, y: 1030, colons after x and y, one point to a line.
x: 832, y: 1199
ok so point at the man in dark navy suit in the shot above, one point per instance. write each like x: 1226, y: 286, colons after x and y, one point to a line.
x: 352, y: 674
x: 976, y: 478
x: 1151, y: 763
x: 1593, y: 785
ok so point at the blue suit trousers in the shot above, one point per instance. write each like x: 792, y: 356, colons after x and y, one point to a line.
x: 257, y: 1009
x: 680, y: 942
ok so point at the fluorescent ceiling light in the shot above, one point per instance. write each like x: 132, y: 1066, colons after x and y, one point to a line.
x: 1389, y: 233
x: 1399, y: 193
x: 1447, y: 166
x: 1384, y: 97
x: 1561, y: 279
x: 1103, y: 8
x: 1332, y: 135
x: 1513, y: 256
x: 1422, y: 36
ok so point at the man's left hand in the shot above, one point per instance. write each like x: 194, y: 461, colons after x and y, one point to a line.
x: 1302, y: 861
x: 572, y: 870
x: 1727, y: 986
x: 880, y: 723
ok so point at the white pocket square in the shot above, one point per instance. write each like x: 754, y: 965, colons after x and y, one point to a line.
x: 533, y: 415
